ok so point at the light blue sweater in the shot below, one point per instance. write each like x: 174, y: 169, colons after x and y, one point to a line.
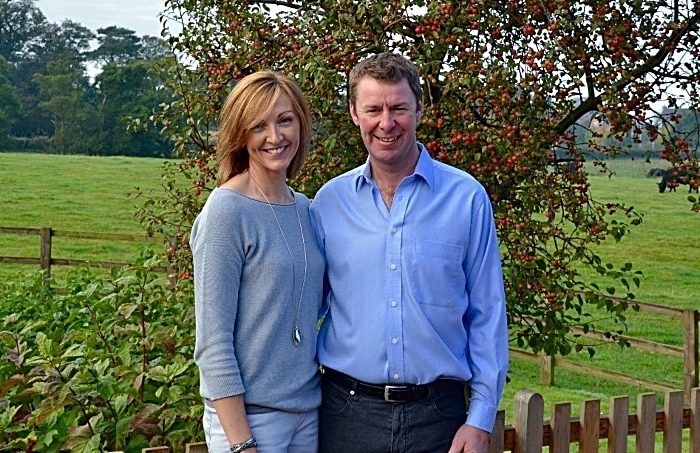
x: 246, y: 297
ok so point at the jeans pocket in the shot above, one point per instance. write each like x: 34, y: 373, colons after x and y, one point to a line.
x: 335, y: 399
x: 446, y: 406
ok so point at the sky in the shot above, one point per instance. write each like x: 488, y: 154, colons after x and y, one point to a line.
x: 138, y: 15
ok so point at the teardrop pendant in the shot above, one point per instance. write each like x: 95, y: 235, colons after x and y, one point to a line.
x: 296, y: 337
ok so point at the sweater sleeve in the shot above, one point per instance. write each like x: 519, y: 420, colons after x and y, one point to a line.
x: 218, y: 260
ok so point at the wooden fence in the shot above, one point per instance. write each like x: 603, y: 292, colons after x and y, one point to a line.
x: 46, y: 259
x: 530, y: 431
x: 689, y: 353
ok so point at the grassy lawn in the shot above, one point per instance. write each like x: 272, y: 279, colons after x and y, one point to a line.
x: 72, y: 193
x: 78, y: 193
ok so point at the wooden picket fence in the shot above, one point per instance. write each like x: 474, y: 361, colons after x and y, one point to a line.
x: 531, y: 432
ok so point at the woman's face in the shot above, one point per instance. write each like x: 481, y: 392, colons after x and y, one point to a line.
x: 273, y: 142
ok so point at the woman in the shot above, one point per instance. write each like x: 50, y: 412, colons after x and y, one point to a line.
x: 258, y: 276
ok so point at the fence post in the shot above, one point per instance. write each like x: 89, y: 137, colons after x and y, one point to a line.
x: 694, y: 436
x: 199, y: 447
x: 690, y: 352
x: 673, y: 422
x: 547, y: 370
x: 646, y: 422
x: 528, y: 415
x: 45, y: 253
x: 497, y: 437
x: 589, y: 437
x: 619, y: 423
x: 172, y: 277
x: 560, y: 428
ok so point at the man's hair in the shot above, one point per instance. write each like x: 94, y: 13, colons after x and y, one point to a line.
x: 252, y: 99
x: 385, y: 67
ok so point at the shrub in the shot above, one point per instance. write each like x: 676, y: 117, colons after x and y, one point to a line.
x: 102, y: 363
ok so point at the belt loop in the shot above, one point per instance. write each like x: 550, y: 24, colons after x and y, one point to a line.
x: 353, y: 387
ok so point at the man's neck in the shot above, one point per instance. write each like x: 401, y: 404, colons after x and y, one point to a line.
x: 388, y: 178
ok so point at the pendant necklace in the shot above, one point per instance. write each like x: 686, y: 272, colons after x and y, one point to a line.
x: 296, y: 336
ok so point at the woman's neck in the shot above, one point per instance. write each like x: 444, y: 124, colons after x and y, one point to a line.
x: 270, y: 189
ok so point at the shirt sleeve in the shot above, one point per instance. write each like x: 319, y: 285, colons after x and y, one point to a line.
x: 218, y: 261
x: 485, y: 319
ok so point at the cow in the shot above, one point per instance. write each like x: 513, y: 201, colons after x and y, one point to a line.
x: 656, y: 172
x: 680, y: 175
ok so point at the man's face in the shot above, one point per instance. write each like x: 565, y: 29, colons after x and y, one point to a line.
x: 387, y: 115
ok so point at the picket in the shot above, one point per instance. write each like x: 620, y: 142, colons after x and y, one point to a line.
x: 530, y: 432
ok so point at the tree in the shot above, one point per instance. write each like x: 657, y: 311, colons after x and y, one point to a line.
x: 505, y: 83
x: 116, y: 45
x: 682, y: 125
x: 68, y: 40
x: 9, y: 101
x: 20, y: 23
x: 130, y: 90
x: 152, y: 47
x: 68, y: 89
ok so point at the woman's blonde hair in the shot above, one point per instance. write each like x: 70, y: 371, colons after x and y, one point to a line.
x: 252, y: 99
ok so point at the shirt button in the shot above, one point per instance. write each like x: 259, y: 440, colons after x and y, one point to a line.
x: 394, y: 230
x: 396, y: 375
x: 393, y: 303
x: 394, y: 341
x: 393, y: 267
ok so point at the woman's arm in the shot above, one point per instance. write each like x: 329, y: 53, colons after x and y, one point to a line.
x: 231, y: 412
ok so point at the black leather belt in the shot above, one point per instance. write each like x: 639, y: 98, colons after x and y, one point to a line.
x: 389, y: 393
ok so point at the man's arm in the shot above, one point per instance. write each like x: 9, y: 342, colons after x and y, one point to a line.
x: 485, y: 319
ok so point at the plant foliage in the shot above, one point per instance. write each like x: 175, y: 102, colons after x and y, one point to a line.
x: 106, y: 365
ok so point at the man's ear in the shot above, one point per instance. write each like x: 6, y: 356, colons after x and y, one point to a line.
x: 353, y: 114
x: 419, y: 111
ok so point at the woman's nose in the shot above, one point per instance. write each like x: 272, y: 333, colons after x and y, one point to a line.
x: 273, y: 134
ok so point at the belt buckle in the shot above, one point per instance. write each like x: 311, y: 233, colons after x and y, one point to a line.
x: 388, y: 388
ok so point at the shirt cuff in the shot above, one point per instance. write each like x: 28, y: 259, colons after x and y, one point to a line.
x: 481, y: 415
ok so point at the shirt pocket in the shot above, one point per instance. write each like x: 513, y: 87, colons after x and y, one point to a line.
x: 436, y: 274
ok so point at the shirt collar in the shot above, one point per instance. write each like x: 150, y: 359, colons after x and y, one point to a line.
x: 424, y: 169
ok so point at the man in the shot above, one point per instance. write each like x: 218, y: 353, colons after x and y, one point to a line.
x: 416, y: 301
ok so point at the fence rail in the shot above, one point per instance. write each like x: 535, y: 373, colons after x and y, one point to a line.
x: 689, y: 353
x: 46, y: 260
x: 531, y: 432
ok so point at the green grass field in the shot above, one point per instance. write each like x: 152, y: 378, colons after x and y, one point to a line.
x: 72, y: 193
x: 78, y: 193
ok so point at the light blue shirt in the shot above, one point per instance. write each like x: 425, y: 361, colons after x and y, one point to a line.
x: 416, y: 293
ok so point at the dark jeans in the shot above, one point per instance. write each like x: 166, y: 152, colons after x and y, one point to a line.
x: 355, y: 423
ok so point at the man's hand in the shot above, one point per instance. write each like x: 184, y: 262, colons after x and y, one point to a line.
x: 470, y: 439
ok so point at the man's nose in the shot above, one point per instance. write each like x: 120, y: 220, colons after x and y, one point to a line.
x: 387, y: 119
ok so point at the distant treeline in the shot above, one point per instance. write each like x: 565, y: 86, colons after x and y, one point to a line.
x: 60, y: 93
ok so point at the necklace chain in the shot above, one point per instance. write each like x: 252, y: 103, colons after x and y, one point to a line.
x: 296, y: 336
